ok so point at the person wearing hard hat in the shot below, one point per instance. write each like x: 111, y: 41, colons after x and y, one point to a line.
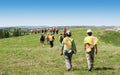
x: 68, y: 49
x: 90, y: 46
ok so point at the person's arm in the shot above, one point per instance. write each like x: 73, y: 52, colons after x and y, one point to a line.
x: 53, y: 38
x: 59, y: 38
x: 85, y: 46
x: 96, y: 49
x: 62, y: 48
x: 74, y: 47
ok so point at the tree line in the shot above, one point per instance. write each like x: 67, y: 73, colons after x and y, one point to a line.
x: 15, y: 32
x: 12, y: 32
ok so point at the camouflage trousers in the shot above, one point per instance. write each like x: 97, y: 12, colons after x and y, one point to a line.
x: 90, y: 59
x: 68, y: 60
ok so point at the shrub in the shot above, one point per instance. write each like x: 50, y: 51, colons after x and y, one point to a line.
x: 17, y: 32
x: 7, y: 34
x: 1, y: 33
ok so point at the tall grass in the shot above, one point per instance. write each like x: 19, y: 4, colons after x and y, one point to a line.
x: 25, y: 56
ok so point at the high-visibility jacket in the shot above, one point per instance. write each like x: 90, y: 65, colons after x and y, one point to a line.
x: 50, y: 38
x: 68, y: 45
x: 90, y: 41
x: 67, y: 42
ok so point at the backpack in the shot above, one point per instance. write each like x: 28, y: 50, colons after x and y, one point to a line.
x: 42, y: 38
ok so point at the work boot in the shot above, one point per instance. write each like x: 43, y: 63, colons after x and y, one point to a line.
x: 68, y: 69
x: 90, y: 69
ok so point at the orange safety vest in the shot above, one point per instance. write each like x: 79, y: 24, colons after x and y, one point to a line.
x: 50, y: 38
x: 91, y: 40
x: 92, y: 43
x: 67, y: 42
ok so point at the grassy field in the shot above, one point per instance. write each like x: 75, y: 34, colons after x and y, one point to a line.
x: 25, y: 56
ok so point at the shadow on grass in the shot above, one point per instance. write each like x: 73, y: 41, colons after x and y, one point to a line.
x: 97, y: 68
x: 80, y: 69
x: 104, y: 68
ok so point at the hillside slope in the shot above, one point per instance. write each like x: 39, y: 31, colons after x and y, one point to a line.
x: 25, y: 56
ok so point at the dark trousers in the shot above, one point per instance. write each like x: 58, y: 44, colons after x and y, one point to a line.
x: 51, y: 44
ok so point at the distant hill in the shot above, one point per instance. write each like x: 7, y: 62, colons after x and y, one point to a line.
x: 59, y: 27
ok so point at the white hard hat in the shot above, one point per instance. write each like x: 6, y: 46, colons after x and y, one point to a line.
x: 68, y: 32
x: 89, y: 30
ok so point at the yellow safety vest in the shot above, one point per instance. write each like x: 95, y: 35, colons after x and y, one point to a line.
x: 91, y: 41
x: 67, y: 43
x: 50, y: 38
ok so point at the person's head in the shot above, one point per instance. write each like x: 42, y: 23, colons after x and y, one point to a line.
x: 68, y: 33
x: 89, y: 32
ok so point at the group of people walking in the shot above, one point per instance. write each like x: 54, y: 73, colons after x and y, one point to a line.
x: 49, y: 37
x: 68, y: 47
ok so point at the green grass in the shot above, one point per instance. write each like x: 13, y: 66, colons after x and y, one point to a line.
x: 111, y: 37
x: 25, y: 56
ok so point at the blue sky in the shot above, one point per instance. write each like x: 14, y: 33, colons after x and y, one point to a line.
x: 59, y: 12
